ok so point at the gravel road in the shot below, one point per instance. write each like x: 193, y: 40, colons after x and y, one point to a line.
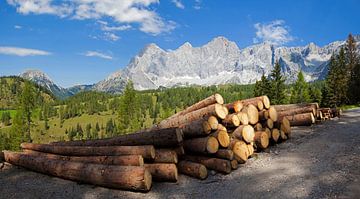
x: 322, y: 161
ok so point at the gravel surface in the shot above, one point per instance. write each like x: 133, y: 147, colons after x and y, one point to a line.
x: 322, y: 161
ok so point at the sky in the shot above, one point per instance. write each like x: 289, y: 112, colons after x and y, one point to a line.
x: 84, y: 41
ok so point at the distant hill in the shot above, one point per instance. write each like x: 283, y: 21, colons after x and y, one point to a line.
x: 11, y: 87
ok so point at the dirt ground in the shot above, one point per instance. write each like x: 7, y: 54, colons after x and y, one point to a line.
x: 322, y: 161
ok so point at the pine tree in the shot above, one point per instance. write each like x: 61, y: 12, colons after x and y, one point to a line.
x: 26, y: 105
x: 352, y: 60
x: 262, y: 87
x: 88, y: 131
x: 315, y: 94
x: 277, y: 82
x: 129, y: 110
x: 5, y: 118
x: 300, y: 90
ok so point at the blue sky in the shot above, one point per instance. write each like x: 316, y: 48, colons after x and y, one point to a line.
x: 82, y: 42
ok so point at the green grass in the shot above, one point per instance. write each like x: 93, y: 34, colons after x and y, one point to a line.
x: 12, y: 112
x: 55, y: 132
x: 348, y: 107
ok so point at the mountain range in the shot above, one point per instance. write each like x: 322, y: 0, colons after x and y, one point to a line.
x: 220, y: 61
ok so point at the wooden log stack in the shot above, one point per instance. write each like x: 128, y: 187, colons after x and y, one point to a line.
x: 208, y: 135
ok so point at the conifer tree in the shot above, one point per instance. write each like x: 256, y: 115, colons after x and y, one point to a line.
x: 300, y: 90
x: 353, y: 70
x: 277, y: 93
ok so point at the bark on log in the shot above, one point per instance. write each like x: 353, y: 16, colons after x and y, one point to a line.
x: 193, y: 169
x: 213, y: 99
x: 213, y: 121
x: 147, y: 151
x: 304, y: 119
x: 261, y: 139
x: 244, y: 132
x: 161, y: 172
x: 134, y: 178
x: 231, y: 120
x: 215, y: 164
x: 125, y: 160
x: 224, y: 154
x: 294, y: 111
x: 222, y: 137
x: 240, y: 149
x: 202, y: 145
x: 196, y: 128
x: 158, y: 137
x: 165, y: 156
x: 243, y: 117
x: 252, y: 113
x: 285, y: 107
x: 215, y: 110
x: 234, y: 107
x: 256, y: 102
x: 179, y: 150
x: 264, y: 99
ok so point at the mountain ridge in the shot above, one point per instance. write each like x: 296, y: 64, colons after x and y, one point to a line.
x: 220, y: 61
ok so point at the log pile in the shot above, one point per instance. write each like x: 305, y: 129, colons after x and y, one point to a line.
x: 208, y: 135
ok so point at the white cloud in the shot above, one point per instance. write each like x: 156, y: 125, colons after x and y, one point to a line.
x: 178, y: 4
x: 105, y: 26
x: 9, y: 50
x: 17, y: 27
x: 110, y: 36
x: 197, y: 5
x: 120, y: 11
x: 97, y: 54
x: 274, y: 32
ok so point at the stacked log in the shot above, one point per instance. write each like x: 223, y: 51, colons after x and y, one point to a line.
x: 208, y: 135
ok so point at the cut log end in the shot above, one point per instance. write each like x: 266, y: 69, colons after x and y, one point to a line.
x: 234, y: 164
x: 270, y: 123
x: 261, y: 139
x: 147, y: 180
x: 212, y: 145
x: 243, y: 118
x: 213, y: 121
x: 273, y: 115
x: 219, y: 99
x: 285, y: 125
x: 220, y: 111
x: 266, y: 101
x: 252, y: 113
x: 260, y: 105
x: 223, y: 138
x: 275, y: 134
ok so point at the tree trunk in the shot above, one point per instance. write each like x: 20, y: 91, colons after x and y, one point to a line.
x: 158, y: 137
x: 216, y: 164
x: 234, y: 107
x: 252, y: 113
x: 284, y: 125
x: 196, y: 128
x: 269, y: 123
x: 285, y: 107
x: 222, y: 137
x: 244, y: 132
x: 231, y: 120
x: 179, y: 150
x: 263, y: 115
x: 165, y: 156
x: 202, y: 145
x: 213, y: 99
x: 147, y: 151
x: 283, y: 135
x: 268, y: 132
x: 258, y: 127
x: 304, y: 119
x: 261, y: 139
x: 125, y: 160
x: 134, y: 178
x: 193, y: 169
x: 243, y: 117
x: 240, y: 149
x: 216, y: 110
x: 162, y: 172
